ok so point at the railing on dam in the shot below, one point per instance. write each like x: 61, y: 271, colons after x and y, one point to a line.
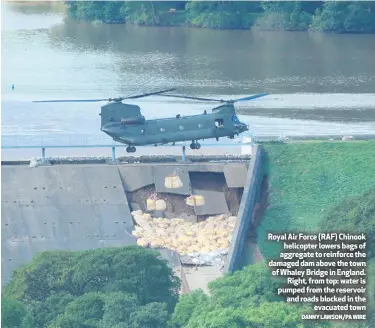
x: 84, y: 141
x: 113, y: 147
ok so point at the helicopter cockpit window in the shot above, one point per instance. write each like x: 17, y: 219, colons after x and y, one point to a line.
x: 235, y: 119
x: 162, y: 129
x: 200, y: 125
x: 181, y: 127
x: 219, y: 123
x: 143, y: 131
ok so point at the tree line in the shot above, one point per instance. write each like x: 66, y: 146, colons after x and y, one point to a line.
x: 323, y: 16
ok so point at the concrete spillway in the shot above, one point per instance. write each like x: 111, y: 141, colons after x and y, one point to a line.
x: 77, y: 207
x: 62, y: 207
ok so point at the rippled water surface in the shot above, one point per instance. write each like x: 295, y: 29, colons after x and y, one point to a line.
x: 318, y: 84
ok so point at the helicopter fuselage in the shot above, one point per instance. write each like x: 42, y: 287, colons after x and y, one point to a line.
x: 128, y: 126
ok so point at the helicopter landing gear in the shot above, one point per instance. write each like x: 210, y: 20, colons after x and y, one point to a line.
x: 195, y: 145
x: 130, y: 149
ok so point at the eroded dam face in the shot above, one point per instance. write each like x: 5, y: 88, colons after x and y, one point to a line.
x: 84, y: 206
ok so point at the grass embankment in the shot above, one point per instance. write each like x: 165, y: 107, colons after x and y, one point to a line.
x: 307, y: 179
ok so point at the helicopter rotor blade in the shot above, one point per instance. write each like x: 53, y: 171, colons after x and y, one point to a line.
x: 161, y: 93
x: 219, y: 100
x: 251, y: 97
x: 106, y: 99
x: 194, y: 98
x: 70, y: 100
x: 148, y: 94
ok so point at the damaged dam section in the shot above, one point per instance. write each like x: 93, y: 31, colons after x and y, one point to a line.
x: 67, y: 206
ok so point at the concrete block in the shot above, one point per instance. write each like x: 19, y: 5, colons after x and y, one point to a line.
x: 111, y: 224
x: 157, y: 214
x: 37, y: 220
x: 235, y: 175
x: 104, y: 185
x: 9, y: 190
x: 247, y: 150
x: 12, y: 221
x: 160, y: 173
x: 118, y: 243
x: 169, y: 215
x: 206, y: 167
x: 135, y: 207
x: 186, y: 217
x: 136, y: 177
x: 89, y: 244
x: 172, y: 257
x: 215, y: 202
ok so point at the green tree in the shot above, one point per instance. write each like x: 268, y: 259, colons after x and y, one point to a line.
x: 266, y: 315
x: 288, y: 16
x: 357, y: 215
x: 246, y: 298
x: 222, y: 14
x: 47, y: 273
x: 328, y: 16
x: 252, y: 285
x: 152, y: 315
x: 354, y: 215
x: 13, y: 313
x: 186, y: 306
x: 344, y: 17
x: 133, y: 270
x: 118, y: 308
x: 87, y: 309
x: 46, y: 311
x: 65, y: 288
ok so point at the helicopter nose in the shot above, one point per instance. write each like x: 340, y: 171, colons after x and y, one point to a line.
x: 244, y: 127
x: 107, y: 130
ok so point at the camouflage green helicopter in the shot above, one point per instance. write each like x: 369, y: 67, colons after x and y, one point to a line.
x: 125, y: 123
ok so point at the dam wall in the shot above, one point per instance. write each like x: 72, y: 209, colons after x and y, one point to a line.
x: 250, y: 195
x: 61, y: 208
x: 85, y: 206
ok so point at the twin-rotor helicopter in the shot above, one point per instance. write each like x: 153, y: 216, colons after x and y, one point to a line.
x: 126, y: 124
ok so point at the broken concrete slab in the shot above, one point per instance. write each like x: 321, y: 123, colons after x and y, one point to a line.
x: 215, y: 202
x: 172, y: 257
x: 135, y: 206
x: 136, y: 177
x: 184, y: 216
x: 157, y: 214
x: 235, y: 175
x: 188, y: 218
x: 200, y: 276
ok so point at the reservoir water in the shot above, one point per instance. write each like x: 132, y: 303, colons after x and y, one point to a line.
x: 318, y: 83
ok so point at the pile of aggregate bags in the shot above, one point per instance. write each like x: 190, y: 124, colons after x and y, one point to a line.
x: 203, y: 242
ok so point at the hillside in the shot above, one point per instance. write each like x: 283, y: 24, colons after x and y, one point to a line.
x: 306, y: 179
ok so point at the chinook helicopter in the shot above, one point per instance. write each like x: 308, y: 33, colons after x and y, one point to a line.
x: 125, y: 123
